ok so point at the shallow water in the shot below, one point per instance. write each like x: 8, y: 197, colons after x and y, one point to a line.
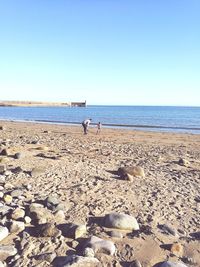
x: 173, y: 119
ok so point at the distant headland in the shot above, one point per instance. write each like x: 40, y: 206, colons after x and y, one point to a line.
x: 41, y: 104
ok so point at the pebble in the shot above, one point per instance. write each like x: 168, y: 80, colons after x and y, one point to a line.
x: 49, y: 230
x: 17, y: 170
x: 7, y: 199
x: 49, y: 257
x: 27, y: 220
x: 88, y: 252
x: 1, y: 194
x: 52, y: 202
x: 135, y: 263
x: 172, y: 264
x: 2, y: 181
x: 121, y: 221
x: 7, y: 251
x: 3, y: 232
x: 2, y: 169
x: 59, y: 216
x: 18, y: 155
x: 17, y: 226
x: 45, y: 148
x: 130, y: 172
x: 4, y: 209
x: 101, y: 245
x: 116, y: 234
x: 80, y: 231
x: 168, y: 229
x: 4, y: 152
x: 37, y: 171
x: 77, y: 261
x: 18, y: 214
x: 8, y: 186
x: 183, y: 162
x: 16, y: 193
x: 177, y: 249
x: 196, y: 235
x: 40, y: 215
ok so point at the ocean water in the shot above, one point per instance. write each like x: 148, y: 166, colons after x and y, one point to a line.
x: 155, y: 118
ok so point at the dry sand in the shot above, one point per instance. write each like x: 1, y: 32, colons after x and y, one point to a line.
x: 80, y: 170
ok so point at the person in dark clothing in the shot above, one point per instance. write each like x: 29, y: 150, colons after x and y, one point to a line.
x: 85, y: 125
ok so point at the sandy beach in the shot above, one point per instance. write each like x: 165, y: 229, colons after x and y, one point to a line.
x: 79, y: 174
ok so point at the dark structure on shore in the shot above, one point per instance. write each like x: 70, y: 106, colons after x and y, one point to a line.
x: 78, y: 104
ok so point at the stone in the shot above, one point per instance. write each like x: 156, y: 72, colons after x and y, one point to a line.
x: 177, y: 249
x: 28, y: 186
x: 17, y: 226
x: 135, y: 263
x: 4, y: 152
x: 196, y: 235
x: 7, y: 199
x: 121, y: 221
x: 88, y: 252
x: 40, y: 215
x: 27, y: 220
x: 2, y: 264
x: 62, y: 206
x: 101, y: 245
x: 59, y: 216
x: 1, y: 194
x: 37, y: 171
x: 2, y: 169
x: 116, y: 234
x: 7, y: 251
x: 17, y: 170
x: 49, y: 257
x: 16, y: 193
x: 172, y: 264
x: 2, y: 179
x: 128, y: 173
x: 3, y: 232
x: 18, y: 214
x: 184, y: 162
x: 168, y: 229
x: 77, y: 261
x: 34, y: 206
x: 52, y: 202
x: 4, y: 160
x: 18, y: 155
x: 5, y: 210
x: 49, y: 230
x: 8, y: 186
x: 74, y: 244
x: 80, y: 231
x: 45, y: 148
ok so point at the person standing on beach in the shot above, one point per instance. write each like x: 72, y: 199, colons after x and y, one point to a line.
x: 85, y: 125
x: 99, y: 127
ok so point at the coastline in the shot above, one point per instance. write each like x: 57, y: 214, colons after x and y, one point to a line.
x: 80, y: 171
x: 132, y: 127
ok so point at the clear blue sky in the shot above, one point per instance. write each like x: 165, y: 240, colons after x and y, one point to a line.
x: 144, y: 52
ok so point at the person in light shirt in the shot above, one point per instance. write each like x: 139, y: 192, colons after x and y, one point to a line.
x: 85, y: 125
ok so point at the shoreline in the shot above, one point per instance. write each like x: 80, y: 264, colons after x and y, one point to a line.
x: 151, y: 128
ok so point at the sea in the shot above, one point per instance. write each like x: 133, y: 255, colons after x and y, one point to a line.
x: 146, y: 118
